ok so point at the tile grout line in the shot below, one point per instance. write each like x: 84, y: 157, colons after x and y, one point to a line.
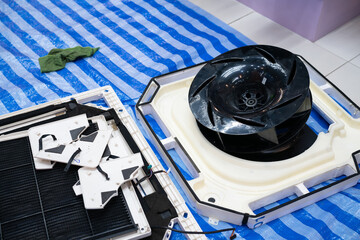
x: 349, y: 61
x: 354, y: 58
x: 336, y: 69
x: 240, y: 18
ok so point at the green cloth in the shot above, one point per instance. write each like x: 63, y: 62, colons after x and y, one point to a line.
x: 57, y: 58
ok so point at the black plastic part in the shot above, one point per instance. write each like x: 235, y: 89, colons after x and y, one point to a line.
x: 159, y: 211
x: 103, y: 172
x: 75, y: 133
x: 245, y: 219
x: 89, y: 138
x: 252, y: 102
x: 44, y: 136
x: 107, y: 152
x: 107, y: 195
x: 72, y: 159
x: 127, y: 172
x: 112, y: 157
x: 59, y: 149
x: 304, y: 139
x: 93, y: 127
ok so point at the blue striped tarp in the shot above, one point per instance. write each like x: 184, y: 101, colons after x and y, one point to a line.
x: 138, y: 40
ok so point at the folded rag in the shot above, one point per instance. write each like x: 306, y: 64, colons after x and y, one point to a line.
x: 57, y: 58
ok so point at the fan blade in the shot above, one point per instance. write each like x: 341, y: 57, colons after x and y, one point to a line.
x: 270, y: 135
x: 266, y: 54
x: 248, y: 121
x: 227, y: 60
x: 203, y: 85
x: 288, y: 101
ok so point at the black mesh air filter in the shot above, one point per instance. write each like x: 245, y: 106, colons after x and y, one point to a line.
x: 252, y: 102
x: 42, y: 205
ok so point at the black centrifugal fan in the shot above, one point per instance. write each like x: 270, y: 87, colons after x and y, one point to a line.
x: 253, y: 102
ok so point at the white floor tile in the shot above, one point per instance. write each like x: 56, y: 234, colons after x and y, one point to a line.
x: 261, y: 29
x: 347, y: 78
x: 226, y: 10
x: 264, y: 31
x: 356, y: 61
x: 343, y: 41
x: 320, y: 58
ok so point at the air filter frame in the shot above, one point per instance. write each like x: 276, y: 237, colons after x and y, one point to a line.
x: 105, y: 98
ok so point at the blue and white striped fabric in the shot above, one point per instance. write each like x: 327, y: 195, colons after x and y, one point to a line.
x: 138, y: 40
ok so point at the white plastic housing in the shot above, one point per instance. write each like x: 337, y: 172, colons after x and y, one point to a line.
x: 230, y: 189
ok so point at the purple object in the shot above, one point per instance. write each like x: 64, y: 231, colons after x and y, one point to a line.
x: 311, y: 19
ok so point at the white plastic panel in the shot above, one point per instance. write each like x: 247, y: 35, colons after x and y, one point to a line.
x: 60, y: 130
x: 98, y: 188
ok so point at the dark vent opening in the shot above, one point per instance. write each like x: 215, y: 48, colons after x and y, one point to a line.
x: 43, y: 202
